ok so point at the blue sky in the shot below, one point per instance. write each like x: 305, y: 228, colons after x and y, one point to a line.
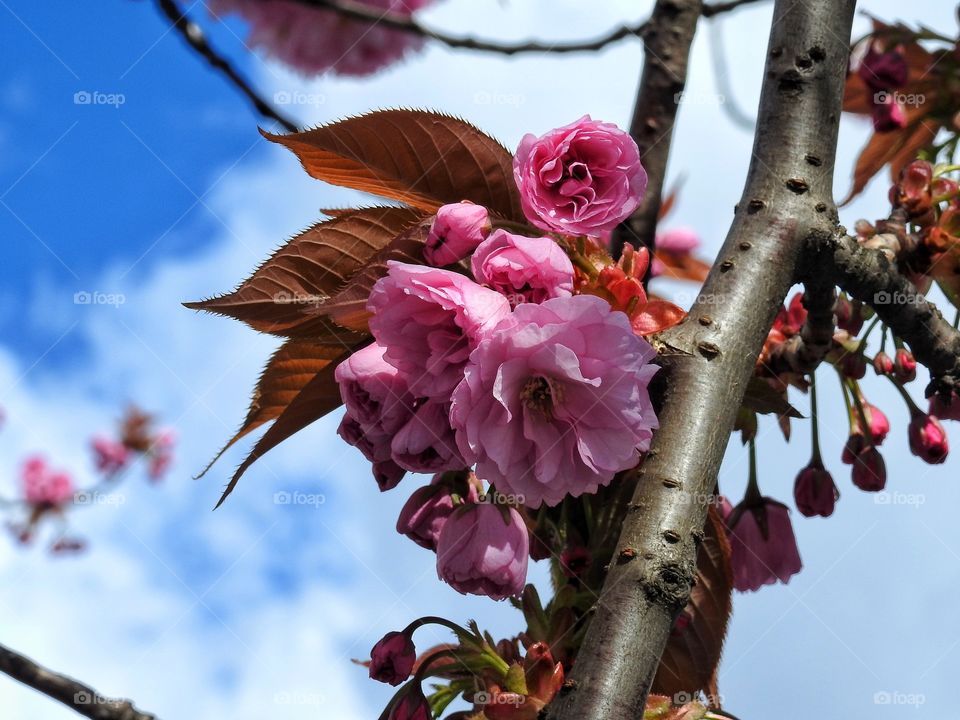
x: 256, y: 610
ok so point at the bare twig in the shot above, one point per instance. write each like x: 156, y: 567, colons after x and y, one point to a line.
x: 786, y: 200
x: 75, y: 695
x: 193, y: 34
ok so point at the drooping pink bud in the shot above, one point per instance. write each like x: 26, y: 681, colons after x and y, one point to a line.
x: 882, y: 364
x: 412, y: 705
x: 392, y: 658
x: 455, y: 233
x: 426, y: 511
x: 814, y: 491
x: 849, y: 315
x: 877, y: 423
x: 928, y: 439
x: 854, y: 366
x: 483, y: 550
x: 945, y: 407
x: 883, y: 70
x: 869, y: 470
x: 905, y: 366
x: 763, y: 546
x: 888, y: 114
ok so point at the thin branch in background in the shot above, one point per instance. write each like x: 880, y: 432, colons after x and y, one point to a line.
x: 721, y: 67
x: 361, y: 11
x: 75, y: 695
x: 193, y: 34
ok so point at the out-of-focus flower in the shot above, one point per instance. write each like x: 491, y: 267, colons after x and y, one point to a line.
x: 161, y: 454
x: 581, y: 179
x: 524, y: 269
x: 888, y: 114
x: 315, y: 40
x: 928, y: 439
x: 945, y: 407
x: 483, y: 550
x: 555, y: 402
x: 429, y: 321
x: 883, y: 70
x: 110, y: 456
x: 762, y: 543
x: 392, y: 658
x: 44, y: 487
x: 456, y: 232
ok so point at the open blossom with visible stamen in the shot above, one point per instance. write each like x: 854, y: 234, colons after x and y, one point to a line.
x: 525, y: 269
x: 555, y: 402
x: 314, y: 40
x: 483, y: 550
x: 429, y: 321
x: 581, y: 179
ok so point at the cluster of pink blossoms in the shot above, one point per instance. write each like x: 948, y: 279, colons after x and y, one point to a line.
x: 314, y: 40
x: 496, y: 363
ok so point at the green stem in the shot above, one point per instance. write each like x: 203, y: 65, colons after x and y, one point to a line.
x: 911, y: 405
x: 815, y: 419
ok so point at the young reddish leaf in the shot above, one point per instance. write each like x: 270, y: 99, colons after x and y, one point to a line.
x: 319, y: 396
x: 690, y: 660
x: 655, y: 316
x: 683, y: 267
x: 763, y: 398
x: 348, y: 308
x: 896, y: 148
x: 424, y: 159
x: 290, y: 368
x: 283, y: 295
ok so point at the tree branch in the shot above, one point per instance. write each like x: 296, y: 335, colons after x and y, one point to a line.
x: 361, y: 11
x: 711, y: 356
x: 803, y: 353
x: 667, y: 42
x: 869, y: 276
x: 193, y: 34
x: 75, y: 695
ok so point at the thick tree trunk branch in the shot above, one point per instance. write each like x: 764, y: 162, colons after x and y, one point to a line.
x: 871, y: 278
x: 75, y: 695
x: 667, y: 40
x: 787, y: 198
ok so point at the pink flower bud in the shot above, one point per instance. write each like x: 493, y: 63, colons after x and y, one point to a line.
x: 883, y: 70
x: 45, y: 487
x: 455, y: 233
x: 581, y: 179
x: 426, y: 511
x: 110, y: 456
x: 945, y: 407
x: 575, y: 560
x: 869, y: 470
x: 483, y: 550
x: 814, y: 491
x: 877, y: 422
x: 905, y: 366
x: 524, y: 269
x: 854, y: 365
x: 849, y: 315
x: 882, y: 364
x: 412, y: 705
x: 888, y: 114
x: 392, y: 658
x: 928, y: 439
x: 763, y: 546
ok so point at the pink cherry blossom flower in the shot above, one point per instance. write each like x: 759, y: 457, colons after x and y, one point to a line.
x: 392, y: 658
x: 888, y: 114
x: 524, y: 269
x: 581, y: 179
x: 555, y: 402
x: 43, y: 486
x: 429, y: 321
x: 455, y: 233
x: 412, y: 705
x: 426, y: 511
x: 375, y: 446
x: 161, y: 454
x: 374, y: 391
x: 814, y: 491
x: 427, y: 442
x: 110, y: 456
x: 928, y: 439
x: 314, y: 40
x: 883, y: 70
x: 763, y: 547
x: 483, y: 550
